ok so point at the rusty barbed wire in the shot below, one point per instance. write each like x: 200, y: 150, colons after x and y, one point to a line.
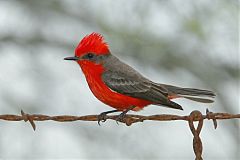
x: 129, y: 119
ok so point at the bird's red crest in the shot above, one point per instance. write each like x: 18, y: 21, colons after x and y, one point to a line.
x: 92, y: 43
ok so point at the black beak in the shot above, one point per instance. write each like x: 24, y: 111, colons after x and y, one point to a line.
x: 71, y: 58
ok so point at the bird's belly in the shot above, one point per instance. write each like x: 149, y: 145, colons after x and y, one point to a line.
x: 114, y: 99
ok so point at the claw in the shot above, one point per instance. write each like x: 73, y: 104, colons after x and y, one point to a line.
x: 121, y: 116
x: 102, y: 117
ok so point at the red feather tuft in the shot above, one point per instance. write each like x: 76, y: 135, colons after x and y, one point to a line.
x: 93, y: 43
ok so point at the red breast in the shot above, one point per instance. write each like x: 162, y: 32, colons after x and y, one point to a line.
x: 116, y: 100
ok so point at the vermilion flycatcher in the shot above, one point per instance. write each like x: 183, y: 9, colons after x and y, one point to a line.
x: 122, y: 87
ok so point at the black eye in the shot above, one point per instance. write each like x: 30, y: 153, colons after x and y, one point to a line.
x: 90, y: 55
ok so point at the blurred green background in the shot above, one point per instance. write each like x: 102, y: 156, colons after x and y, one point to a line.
x: 185, y: 43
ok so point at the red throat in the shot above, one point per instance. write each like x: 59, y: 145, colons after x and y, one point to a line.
x: 93, y: 43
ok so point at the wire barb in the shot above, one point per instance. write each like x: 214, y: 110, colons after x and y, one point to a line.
x: 209, y: 116
x: 27, y: 117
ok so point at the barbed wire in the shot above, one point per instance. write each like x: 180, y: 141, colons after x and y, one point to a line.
x: 129, y: 119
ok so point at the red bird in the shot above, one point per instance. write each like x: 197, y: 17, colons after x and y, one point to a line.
x: 122, y: 87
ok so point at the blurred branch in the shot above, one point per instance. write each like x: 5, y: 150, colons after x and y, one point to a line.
x: 130, y: 119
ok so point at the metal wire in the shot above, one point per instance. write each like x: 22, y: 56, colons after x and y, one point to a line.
x: 129, y: 119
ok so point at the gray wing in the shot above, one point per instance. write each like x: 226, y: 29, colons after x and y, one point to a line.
x: 132, y: 86
x: 125, y: 80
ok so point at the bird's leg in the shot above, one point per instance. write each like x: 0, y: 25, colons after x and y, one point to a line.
x: 123, y: 114
x: 102, y: 116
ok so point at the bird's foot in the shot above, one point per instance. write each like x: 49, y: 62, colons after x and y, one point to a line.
x: 122, y: 116
x: 102, y: 117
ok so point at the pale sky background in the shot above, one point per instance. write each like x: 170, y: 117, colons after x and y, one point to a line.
x: 185, y: 43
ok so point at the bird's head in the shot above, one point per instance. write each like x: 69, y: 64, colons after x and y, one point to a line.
x: 91, y: 51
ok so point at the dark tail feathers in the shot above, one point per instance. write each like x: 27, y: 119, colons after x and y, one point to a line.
x: 199, y: 95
